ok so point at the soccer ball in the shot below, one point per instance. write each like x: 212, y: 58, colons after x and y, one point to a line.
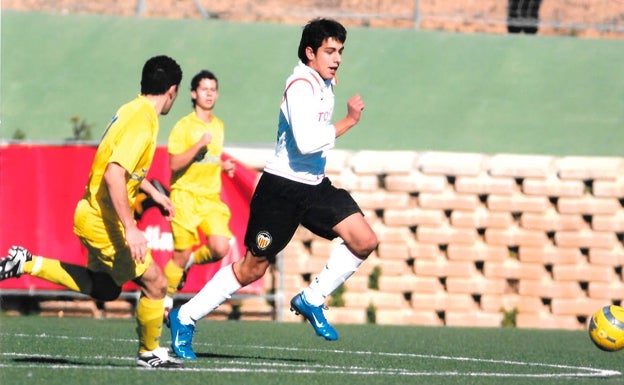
x: 606, y: 328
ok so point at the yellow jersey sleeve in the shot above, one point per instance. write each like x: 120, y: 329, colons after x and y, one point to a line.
x: 130, y: 141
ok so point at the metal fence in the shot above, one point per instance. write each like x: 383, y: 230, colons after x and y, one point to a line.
x: 572, y: 17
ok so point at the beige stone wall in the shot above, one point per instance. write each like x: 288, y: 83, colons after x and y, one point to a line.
x: 466, y: 237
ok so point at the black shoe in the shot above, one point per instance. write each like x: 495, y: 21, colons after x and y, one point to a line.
x: 13, y: 264
x: 158, y: 359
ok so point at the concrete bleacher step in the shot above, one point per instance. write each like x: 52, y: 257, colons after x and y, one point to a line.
x: 415, y: 181
x: 408, y: 317
x: 379, y: 300
x: 549, y: 288
x: 609, y: 188
x: 584, y: 272
x: 485, y: 184
x: 509, y: 302
x: 442, y: 267
x: 412, y: 216
x: 477, y: 285
x: 481, y: 218
x: 588, y: 168
x: 514, y: 269
x: 443, y: 301
x: 552, y: 220
x: 473, y: 318
x: 575, y: 306
x: 547, y: 320
x: 479, y: 251
x: 553, y: 186
x: 606, y: 291
x: 550, y: 254
x: 409, y: 283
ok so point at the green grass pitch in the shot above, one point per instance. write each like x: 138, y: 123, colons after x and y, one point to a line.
x: 46, y: 351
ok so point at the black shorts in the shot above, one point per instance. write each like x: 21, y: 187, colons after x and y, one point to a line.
x: 280, y: 205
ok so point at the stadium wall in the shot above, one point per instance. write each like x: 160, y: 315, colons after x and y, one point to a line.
x: 466, y: 239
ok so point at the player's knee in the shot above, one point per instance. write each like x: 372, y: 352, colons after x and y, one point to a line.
x: 366, y: 245
x: 104, y: 287
x: 157, y: 287
x: 220, y: 251
x: 251, y: 269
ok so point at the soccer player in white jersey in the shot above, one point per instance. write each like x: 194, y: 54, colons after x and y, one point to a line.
x: 293, y: 191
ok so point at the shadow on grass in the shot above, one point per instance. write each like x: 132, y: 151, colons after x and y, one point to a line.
x: 256, y: 357
x: 60, y: 361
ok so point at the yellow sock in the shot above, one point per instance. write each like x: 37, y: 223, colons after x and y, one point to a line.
x: 73, y: 277
x: 149, y: 316
x: 174, y: 275
x: 202, y: 255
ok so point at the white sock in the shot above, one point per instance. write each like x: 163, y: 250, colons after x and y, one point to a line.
x: 190, y: 261
x: 340, y: 266
x: 168, y: 304
x: 216, y: 291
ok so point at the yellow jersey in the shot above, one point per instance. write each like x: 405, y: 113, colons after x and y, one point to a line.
x: 203, y: 176
x: 130, y: 141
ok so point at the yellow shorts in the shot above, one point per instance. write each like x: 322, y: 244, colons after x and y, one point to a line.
x: 106, y: 245
x: 192, y: 212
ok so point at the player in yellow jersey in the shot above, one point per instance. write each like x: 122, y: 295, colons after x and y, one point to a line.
x: 104, y: 221
x: 195, y: 147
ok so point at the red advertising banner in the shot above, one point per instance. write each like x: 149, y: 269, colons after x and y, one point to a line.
x: 41, y: 184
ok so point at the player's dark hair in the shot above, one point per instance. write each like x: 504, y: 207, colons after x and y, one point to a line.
x: 316, y: 32
x: 203, y: 74
x: 160, y: 73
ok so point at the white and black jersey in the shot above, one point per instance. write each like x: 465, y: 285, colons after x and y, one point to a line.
x: 305, y: 131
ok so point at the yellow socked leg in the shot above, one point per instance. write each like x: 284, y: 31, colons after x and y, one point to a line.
x: 202, y: 255
x: 174, y: 275
x: 149, y: 316
x: 73, y: 277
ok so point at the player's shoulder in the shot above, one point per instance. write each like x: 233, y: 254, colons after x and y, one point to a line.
x: 303, y: 78
x: 184, y: 122
x: 217, y: 121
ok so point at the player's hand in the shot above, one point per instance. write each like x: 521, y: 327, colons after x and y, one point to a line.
x: 355, y: 106
x: 205, y: 139
x: 202, y: 143
x: 137, y: 243
x: 165, y: 203
x: 228, y: 167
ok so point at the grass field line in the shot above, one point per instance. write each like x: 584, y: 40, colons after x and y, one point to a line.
x: 270, y: 367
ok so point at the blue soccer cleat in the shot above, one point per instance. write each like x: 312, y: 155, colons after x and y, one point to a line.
x: 181, y: 336
x: 315, y: 315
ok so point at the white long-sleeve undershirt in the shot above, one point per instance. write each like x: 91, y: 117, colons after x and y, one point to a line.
x: 305, y: 131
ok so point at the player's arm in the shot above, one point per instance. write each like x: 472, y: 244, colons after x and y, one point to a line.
x: 160, y: 198
x: 115, y: 178
x: 312, y: 132
x: 196, y: 152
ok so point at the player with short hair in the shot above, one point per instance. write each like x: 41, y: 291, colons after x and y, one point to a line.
x: 293, y: 191
x: 195, y: 147
x: 104, y: 221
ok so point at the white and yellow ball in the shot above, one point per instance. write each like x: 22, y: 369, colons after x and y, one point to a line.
x: 606, y: 328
